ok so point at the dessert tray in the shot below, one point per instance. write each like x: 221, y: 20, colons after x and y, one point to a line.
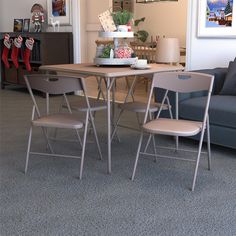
x: 114, y: 61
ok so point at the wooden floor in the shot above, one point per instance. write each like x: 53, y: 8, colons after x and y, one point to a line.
x: 121, y: 88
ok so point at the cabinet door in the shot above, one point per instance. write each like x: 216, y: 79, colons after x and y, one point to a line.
x: 55, y: 49
x: 10, y: 75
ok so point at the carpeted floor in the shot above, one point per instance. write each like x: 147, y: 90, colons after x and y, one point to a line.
x: 51, y: 200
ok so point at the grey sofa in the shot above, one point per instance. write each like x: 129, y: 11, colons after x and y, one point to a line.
x: 222, y: 110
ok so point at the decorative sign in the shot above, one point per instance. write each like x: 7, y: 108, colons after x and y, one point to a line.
x: 107, y: 22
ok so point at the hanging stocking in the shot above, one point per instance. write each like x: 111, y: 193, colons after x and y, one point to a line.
x: 7, y: 46
x: 15, y: 50
x: 29, y: 43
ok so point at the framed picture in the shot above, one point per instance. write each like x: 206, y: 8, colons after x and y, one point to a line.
x: 59, y: 10
x: 217, y: 18
x: 26, y: 25
x: 18, y: 25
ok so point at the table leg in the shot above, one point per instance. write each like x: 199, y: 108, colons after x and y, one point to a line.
x: 113, y: 105
x: 108, y: 126
x: 110, y: 83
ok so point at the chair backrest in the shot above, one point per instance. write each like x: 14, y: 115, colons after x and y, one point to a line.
x: 55, y: 85
x: 181, y: 82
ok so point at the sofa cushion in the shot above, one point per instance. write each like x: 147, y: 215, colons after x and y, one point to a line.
x: 220, y: 74
x: 222, y: 110
x: 229, y: 87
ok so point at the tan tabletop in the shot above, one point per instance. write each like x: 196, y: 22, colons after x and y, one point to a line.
x: 110, y: 73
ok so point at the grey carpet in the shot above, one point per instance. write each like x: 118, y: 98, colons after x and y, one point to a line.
x: 51, y: 200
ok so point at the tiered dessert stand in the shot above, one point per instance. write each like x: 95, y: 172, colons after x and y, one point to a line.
x: 116, y: 37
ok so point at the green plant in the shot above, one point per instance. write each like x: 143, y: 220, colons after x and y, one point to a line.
x: 122, y: 17
x: 106, y: 51
x: 141, y: 35
x: 137, y: 22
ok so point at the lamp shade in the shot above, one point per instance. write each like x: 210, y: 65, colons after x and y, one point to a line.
x: 168, y: 50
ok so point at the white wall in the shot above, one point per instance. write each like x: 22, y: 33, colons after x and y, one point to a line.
x: 206, y: 53
x: 164, y: 18
x: 1, y: 13
x: 90, y: 25
x: 13, y: 9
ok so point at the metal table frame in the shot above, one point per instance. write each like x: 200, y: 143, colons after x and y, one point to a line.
x: 109, y: 73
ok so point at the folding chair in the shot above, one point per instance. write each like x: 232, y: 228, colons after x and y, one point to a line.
x: 138, y: 108
x: 58, y: 85
x: 179, y: 82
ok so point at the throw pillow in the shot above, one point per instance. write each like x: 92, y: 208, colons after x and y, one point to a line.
x: 229, y: 87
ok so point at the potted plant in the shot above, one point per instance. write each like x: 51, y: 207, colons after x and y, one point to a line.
x: 121, y: 19
x: 141, y: 35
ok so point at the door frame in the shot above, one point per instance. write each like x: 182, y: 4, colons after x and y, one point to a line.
x: 76, y: 28
x: 76, y: 6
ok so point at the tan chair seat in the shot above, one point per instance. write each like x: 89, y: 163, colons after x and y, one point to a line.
x: 173, y: 127
x: 69, y: 121
x: 141, y: 107
x: 81, y: 105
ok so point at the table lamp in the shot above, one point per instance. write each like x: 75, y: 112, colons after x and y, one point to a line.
x: 168, y: 51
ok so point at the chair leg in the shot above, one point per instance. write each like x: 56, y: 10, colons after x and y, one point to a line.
x: 89, y: 128
x: 208, y: 144
x: 100, y: 92
x: 79, y: 138
x: 154, y: 147
x: 46, y: 137
x: 96, y: 137
x: 137, y: 156
x: 59, y: 110
x: 83, y: 147
x: 176, y: 143
x: 116, y: 124
x: 152, y: 117
x: 28, y: 149
x: 148, y: 142
x: 138, y: 119
x: 198, y: 159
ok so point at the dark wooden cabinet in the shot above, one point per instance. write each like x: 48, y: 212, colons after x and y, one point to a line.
x: 49, y: 48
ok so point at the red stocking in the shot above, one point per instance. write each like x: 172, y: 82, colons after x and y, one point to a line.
x: 7, y: 46
x: 29, y: 46
x: 15, y: 50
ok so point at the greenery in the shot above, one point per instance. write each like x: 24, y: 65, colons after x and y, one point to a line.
x: 106, y: 51
x: 122, y: 17
x: 136, y: 22
x: 141, y: 35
